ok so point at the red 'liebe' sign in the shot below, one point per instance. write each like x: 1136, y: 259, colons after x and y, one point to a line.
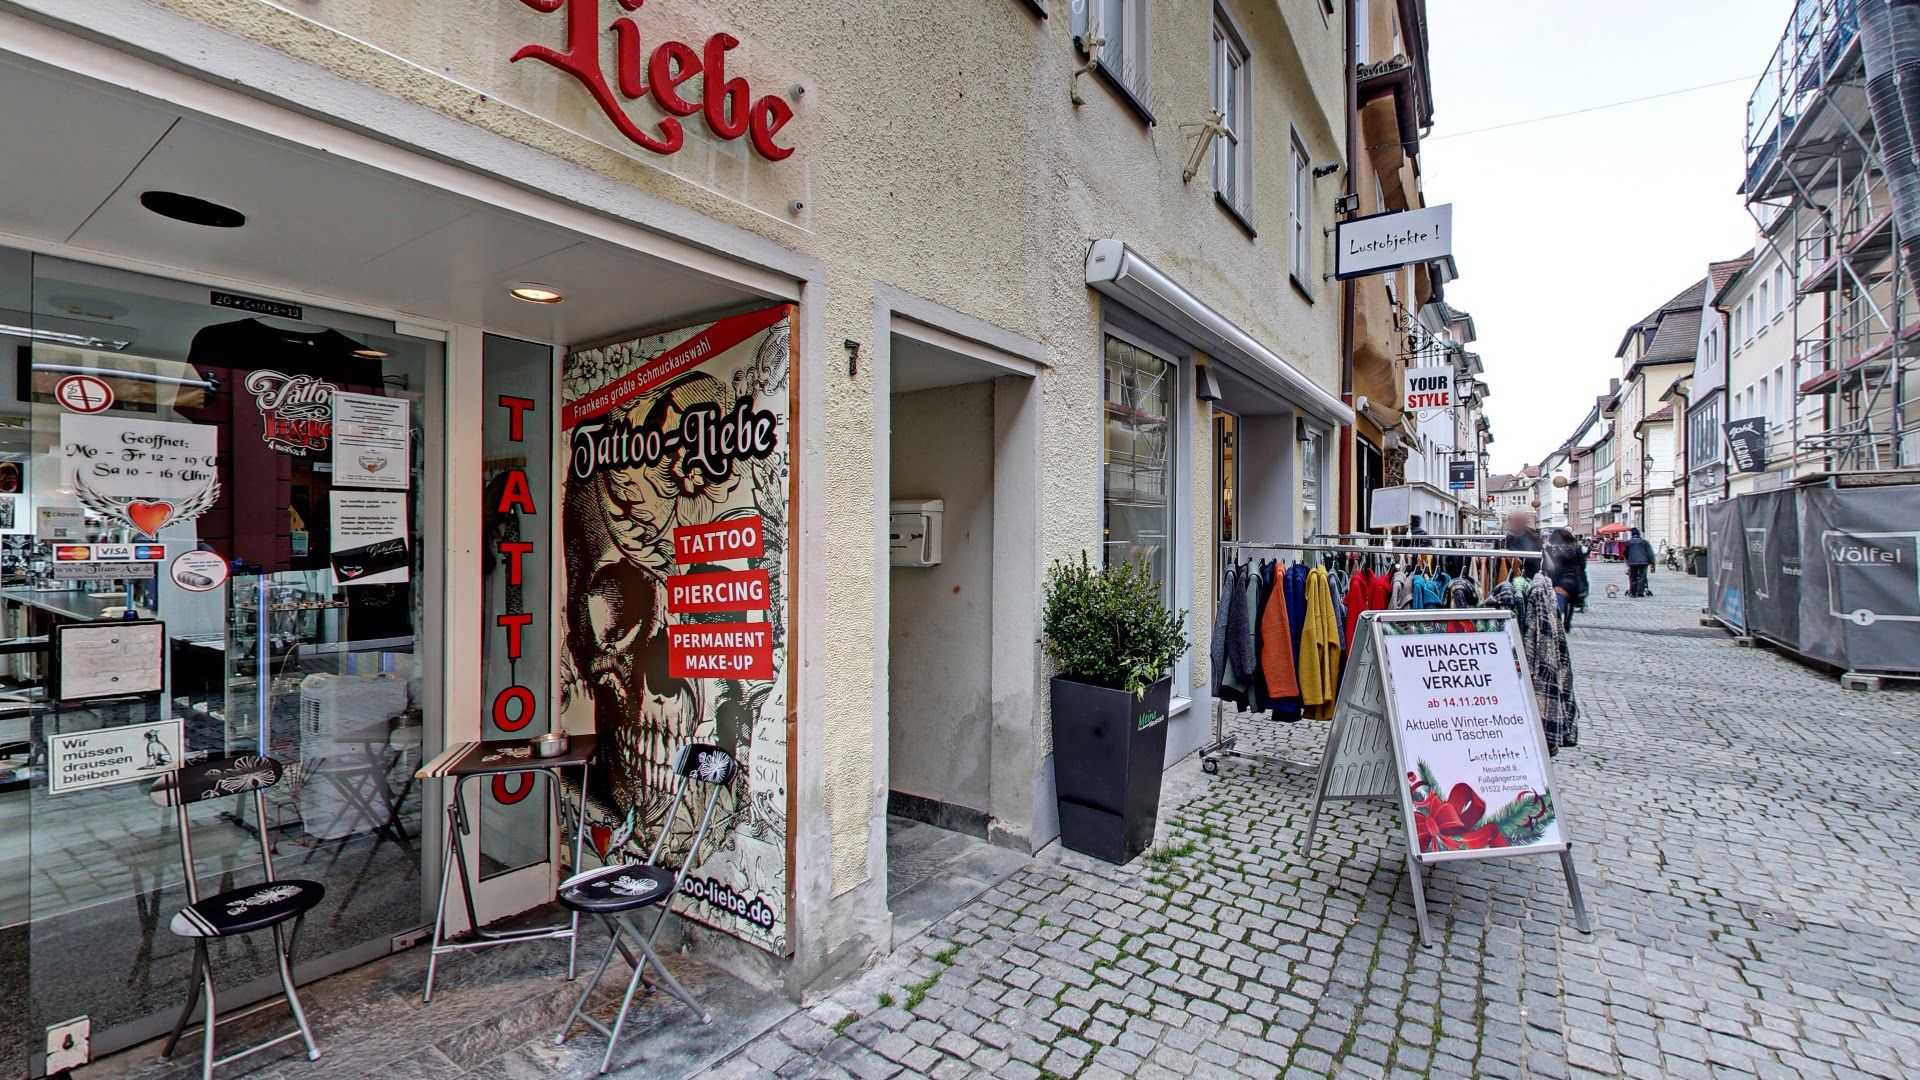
x: 730, y: 108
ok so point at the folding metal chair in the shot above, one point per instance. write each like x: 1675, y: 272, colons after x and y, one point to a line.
x: 612, y: 892
x: 267, y: 905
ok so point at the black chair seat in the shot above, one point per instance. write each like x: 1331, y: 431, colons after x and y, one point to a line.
x: 249, y: 908
x: 617, y: 888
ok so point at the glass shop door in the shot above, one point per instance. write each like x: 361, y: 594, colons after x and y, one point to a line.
x: 235, y: 492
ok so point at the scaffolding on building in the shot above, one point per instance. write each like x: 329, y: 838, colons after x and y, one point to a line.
x: 1816, y: 185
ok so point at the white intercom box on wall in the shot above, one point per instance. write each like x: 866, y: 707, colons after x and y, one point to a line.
x: 913, y: 531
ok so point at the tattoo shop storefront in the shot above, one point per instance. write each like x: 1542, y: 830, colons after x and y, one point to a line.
x: 322, y: 441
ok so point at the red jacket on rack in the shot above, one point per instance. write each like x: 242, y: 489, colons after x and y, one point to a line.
x: 1362, y: 595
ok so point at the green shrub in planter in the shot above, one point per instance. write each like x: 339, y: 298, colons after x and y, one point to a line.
x: 1114, y: 643
x: 1108, y: 626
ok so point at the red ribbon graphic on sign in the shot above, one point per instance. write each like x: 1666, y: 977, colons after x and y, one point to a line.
x: 1446, y: 824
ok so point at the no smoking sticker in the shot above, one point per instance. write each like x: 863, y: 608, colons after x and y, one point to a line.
x: 198, y: 571
x: 83, y: 394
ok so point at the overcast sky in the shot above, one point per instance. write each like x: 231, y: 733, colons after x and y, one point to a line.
x: 1569, y: 230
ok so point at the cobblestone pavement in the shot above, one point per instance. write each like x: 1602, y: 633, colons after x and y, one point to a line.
x: 1749, y: 918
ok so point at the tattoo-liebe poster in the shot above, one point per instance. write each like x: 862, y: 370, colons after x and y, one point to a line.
x: 676, y: 537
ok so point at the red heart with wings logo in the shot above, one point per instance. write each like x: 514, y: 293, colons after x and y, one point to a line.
x: 149, y: 517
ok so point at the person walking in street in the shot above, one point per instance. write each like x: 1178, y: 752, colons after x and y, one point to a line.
x: 1639, y: 555
x: 1567, y: 567
x: 1415, y: 527
x: 1521, y: 535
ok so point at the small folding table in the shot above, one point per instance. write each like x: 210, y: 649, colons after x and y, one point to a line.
x: 467, y: 761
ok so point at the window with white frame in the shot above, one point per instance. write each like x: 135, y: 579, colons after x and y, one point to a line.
x: 1733, y: 337
x: 1747, y: 317
x: 1779, y: 291
x: 1232, y: 149
x: 1122, y: 26
x: 1300, y: 212
x: 1765, y: 313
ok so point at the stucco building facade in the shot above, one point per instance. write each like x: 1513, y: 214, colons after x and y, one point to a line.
x: 1046, y: 267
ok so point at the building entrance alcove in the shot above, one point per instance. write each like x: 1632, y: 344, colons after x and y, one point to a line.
x: 959, y: 805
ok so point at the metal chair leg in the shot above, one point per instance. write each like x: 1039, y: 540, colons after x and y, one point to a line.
x: 281, y: 951
x: 440, y: 910
x: 210, y: 1025
x: 672, y: 984
x: 620, y: 1020
x: 193, y: 998
x: 579, y: 1006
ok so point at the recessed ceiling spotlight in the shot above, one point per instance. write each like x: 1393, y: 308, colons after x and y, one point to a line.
x: 368, y: 352
x: 192, y: 210
x: 535, y: 293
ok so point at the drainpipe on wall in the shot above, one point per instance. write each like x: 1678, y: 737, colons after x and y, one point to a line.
x: 1347, y: 452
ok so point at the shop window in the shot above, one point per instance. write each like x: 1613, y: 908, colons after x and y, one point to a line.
x: 1232, y: 148
x: 1310, y: 486
x: 1139, y: 459
x: 252, y: 480
x: 1227, y: 470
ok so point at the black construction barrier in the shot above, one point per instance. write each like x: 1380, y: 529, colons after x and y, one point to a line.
x: 1831, y: 573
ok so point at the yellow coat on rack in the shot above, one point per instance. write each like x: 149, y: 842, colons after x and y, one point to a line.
x: 1319, y: 667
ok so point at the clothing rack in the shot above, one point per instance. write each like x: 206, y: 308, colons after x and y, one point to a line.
x: 1224, y: 744
x: 1484, y: 538
x: 1381, y: 549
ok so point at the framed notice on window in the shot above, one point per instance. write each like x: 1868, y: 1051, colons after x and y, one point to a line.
x: 118, y: 658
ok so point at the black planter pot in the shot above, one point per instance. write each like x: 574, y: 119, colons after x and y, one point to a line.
x: 1109, y: 748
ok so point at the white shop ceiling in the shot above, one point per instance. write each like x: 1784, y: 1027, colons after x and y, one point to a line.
x: 76, y: 158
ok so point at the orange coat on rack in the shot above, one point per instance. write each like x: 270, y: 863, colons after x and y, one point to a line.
x: 1276, y: 644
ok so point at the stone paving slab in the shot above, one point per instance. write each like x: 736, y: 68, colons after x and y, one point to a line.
x: 1746, y: 836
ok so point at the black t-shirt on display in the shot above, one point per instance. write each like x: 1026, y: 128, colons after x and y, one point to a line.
x: 260, y: 482
x: 249, y: 343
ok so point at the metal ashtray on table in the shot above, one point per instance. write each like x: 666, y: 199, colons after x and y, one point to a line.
x: 468, y: 761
